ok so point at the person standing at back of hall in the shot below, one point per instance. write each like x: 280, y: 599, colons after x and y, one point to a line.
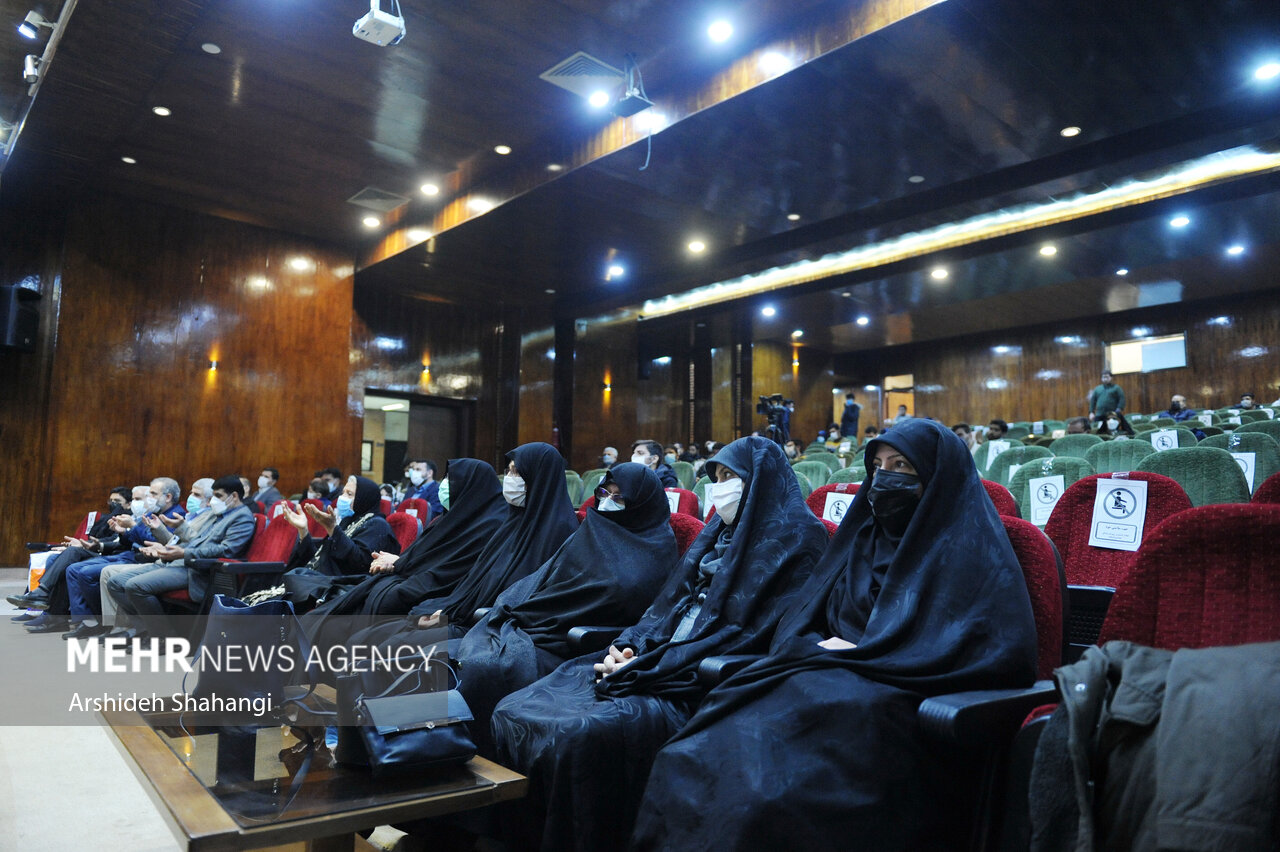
x: 849, y: 418
x: 1106, y: 397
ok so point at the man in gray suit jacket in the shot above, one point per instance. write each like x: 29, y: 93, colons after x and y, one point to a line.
x: 267, y: 492
x: 138, y: 594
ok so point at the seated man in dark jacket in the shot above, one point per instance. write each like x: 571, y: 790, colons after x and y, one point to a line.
x: 649, y: 454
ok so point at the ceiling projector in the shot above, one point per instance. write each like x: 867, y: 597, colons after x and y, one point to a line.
x: 379, y: 27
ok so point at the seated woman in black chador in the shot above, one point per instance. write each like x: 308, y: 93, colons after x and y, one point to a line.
x: 430, y: 567
x: 356, y: 529
x: 586, y: 733
x: 816, y: 746
x: 606, y: 574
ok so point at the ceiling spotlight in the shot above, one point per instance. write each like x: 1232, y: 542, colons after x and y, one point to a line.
x: 916, y: 179
x: 599, y: 99
x: 554, y: 167
x: 371, y: 221
x: 616, y: 270
x: 502, y: 150
x: 938, y: 273
x: 429, y: 189
x: 869, y: 388
x: 1048, y: 250
x: 418, y: 235
x: 863, y: 320
x: 1235, y: 249
x: 31, y: 68
x: 650, y: 121
x: 128, y: 160
x: 1180, y: 221
x: 210, y: 48
x: 774, y: 63
x: 550, y: 291
x: 697, y: 246
x: 1070, y: 131
x: 720, y: 31
x: 1122, y: 272
x: 768, y: 311
x: 793, y: 217
x: 847, y: 293
x: 479, y: 205
x: 31, y: 24
x: 797, y: 334
x: 1267, y: 72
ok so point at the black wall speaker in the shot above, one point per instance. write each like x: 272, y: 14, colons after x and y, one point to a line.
x: 19, y: 318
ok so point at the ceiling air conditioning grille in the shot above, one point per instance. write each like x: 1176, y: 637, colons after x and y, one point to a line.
x: 378, y: 200
x: 583, y: 74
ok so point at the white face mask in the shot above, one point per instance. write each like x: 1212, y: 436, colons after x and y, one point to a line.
x: 138, y: 508
x: 609, y: 505
x: 1113, y: 424
x: 217, y: 505
x: 513, y: 489
x: 416, y: 476
x: 725, y: 496
x: 263, y: 482
x: 150, y: 504
x: 443, y: 493
x: 608, y: 459
x: 640, y: 458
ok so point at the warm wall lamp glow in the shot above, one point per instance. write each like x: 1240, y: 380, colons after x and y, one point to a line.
x: 795, y: 362
x: 213, y: 365
x: 606, y: 387
x: 426, y: 368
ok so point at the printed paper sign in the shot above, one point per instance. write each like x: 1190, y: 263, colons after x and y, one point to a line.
x: 994, y: 449
x: 1271, y: 414
x: 1235, y: 420
x: 413, y: 513
x: 1164, y: 439
x: 1013, y: 468
x: 1045, y: 493
x: 1206, y: 418
x: 1246, y: 462
x: 837, y: 504
x: 673, y: 500
x: 1059, y: 433
x: 1119, y: 512
x: 278, y: 510
x: 1234, y: 412
x: 1037, y: 428
x: 846, y: 447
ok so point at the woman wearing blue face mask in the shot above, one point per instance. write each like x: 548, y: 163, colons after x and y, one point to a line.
x: 356, y: 529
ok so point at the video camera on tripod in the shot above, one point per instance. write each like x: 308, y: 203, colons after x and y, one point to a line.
x: 774, y: 409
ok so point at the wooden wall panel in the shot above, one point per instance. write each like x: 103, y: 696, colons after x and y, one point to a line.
x: 809, y: 384
x: 1048, y: 371
x: 149, y: 296
x: 722, y: 399
x: 604, y: 352
x: 537, y: 384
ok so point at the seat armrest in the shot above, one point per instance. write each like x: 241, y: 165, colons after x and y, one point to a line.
x: 230, y: 566
x: 975, y: 719
x: 40, y: 546
x: 584, y: 639
x: 713, y: 670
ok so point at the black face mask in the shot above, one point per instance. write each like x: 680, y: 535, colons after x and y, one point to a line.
x: 894, y: 497
x: 115, y: 508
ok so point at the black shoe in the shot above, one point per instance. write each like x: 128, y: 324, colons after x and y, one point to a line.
x: 30, y: 600
x: 85, y: 631
x: 53, y: 625
x: 125, y: 633
x: 26, y: 616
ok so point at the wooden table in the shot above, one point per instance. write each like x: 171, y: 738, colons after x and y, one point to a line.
x: 201, y: 823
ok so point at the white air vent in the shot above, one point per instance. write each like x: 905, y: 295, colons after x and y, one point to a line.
x: 378, y: 200
x: 583, y: 74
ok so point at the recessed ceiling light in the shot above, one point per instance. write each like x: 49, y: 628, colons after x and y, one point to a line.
x: 869, y: 388
x: 847, y: 293
x: 938, y: 273
x: 550, y: 291
x: 720, y: 31
x: 504, y: 150
x: 768, y: 311
x: 773, y: 63
x: 1267, y: 71
x: 418, y: 235
x: 1140, y: 331
x: 162, y: 111
x: 1070, y: 131
x: 429, y: 189
x: 793, y: 217
x: 615, y: 270
x: 599, y: 99
x: 649, y: 121
x: 1048, y: 250
x: 1235, y: 249
x: 1122, y: 271
x: 863, y: 320
x: 372, y: 221
x: 916, y: 179
x: 479, y: 205
x: 554, y: 167
x: 697, y: 246
x: 211, y: 48
x: 129, y: 160
x: 1180, y: 221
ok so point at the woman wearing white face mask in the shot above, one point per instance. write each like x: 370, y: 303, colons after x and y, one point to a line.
x: 567, y: 731
x: 1114, y: 424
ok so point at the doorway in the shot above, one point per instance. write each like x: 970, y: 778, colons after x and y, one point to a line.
x: 898, y: 390
x: 402, y: 426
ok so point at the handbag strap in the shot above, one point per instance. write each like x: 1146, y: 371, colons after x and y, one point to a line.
x: 416, y: 670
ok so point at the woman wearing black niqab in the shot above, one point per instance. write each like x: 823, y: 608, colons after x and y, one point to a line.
x: 585, y: 745
x: 607, y: 573
x: 816, y: 745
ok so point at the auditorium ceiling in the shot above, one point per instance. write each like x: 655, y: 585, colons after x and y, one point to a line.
x: 913, y: 162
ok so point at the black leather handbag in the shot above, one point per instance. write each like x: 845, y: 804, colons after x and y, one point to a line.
x: 405, y: 729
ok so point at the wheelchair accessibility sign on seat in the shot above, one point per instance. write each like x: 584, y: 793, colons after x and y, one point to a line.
x: 1119, y: 513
